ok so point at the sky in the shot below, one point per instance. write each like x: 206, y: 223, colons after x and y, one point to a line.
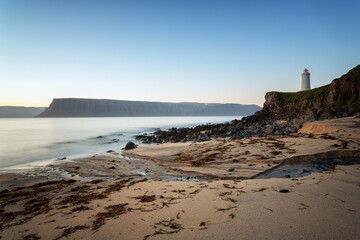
x: 171, y: 51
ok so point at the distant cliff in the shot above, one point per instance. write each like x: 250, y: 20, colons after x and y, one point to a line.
x: 20, y: 112
x: 340, y: 98
x: 78, y: 107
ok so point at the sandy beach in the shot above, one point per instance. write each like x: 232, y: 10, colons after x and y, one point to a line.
x: 179, y: 120
x: 127, y: 196
x: 320, y: 206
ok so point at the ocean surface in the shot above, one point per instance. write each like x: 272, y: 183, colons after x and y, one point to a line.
x: 27, y: 142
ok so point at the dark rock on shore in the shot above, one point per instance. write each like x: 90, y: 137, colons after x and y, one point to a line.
x: 284, y: 190
x: 130, y: 145
x: 236, y: 129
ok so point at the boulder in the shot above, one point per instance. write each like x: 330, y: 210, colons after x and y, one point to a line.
x: 129, y: 146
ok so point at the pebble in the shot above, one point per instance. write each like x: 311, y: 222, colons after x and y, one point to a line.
x: 284, y: 190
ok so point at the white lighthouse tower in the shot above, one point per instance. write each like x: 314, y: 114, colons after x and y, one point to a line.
x: 305, y: 82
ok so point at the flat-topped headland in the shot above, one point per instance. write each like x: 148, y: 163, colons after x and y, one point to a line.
x: 81, y: 107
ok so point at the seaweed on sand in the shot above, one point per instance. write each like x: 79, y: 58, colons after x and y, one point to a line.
x: 71, y: 230
x: 171, y: 224
x: 146, y: 198
x: 82, y: 198
x: 113, y: 211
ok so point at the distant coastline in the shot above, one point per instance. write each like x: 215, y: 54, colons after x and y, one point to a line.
x: 80, y: 107
x: 20, y: 111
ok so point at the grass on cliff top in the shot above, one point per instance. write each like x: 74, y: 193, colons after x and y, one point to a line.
x: 295, y: 97
x: 353, y: 73
x: 289, y: 97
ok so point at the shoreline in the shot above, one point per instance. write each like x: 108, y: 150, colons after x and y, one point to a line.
x: 215, y: 159
x: 72, y: 139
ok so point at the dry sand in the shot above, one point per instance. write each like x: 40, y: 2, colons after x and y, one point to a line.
x: 323, y: 205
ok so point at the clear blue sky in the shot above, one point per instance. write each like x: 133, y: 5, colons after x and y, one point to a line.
x: 203, y: 51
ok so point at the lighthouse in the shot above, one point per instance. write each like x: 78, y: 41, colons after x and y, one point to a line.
x: 305, y: 82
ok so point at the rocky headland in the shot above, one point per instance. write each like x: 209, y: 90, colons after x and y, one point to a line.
x: 282, y: 114
x: 340, y: 98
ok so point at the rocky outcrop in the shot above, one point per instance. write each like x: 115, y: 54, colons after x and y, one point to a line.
x: 341, y: 98
x: 77, y: 107
x: 20, y: 112
x: 282, y: 114
x: 235, y: 129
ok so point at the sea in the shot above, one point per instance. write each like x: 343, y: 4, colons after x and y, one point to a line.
x: 30, y: 142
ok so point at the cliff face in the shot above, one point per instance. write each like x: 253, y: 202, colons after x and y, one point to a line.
x: 76, y: 107
x: 341, y: 98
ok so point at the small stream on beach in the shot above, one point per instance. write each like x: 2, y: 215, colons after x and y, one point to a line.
x: 37, y: 140
x: 303, y: 169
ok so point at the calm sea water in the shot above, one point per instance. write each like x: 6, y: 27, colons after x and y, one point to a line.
x: 34, y: 140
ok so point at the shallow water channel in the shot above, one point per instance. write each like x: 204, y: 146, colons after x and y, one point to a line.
x: 303, y: 169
